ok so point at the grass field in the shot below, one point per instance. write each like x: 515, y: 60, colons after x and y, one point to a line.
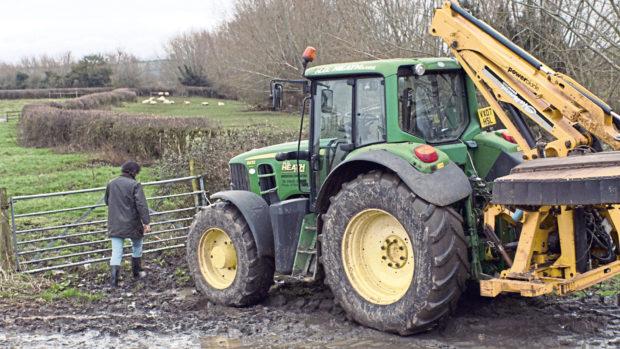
x: 28, y: 171
x: 231, y: 114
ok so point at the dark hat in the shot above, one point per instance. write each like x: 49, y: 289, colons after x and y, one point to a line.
x: 131, y: 168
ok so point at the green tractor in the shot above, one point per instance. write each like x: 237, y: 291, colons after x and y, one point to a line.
x: 377, y: 198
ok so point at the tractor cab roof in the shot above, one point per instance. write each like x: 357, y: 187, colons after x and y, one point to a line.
x: 385, y: 67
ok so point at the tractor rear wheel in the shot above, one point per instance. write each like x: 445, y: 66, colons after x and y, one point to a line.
x: 223, y: 260
x: 393, y: 261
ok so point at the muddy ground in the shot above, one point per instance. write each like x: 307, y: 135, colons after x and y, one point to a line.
x: 163, y: 310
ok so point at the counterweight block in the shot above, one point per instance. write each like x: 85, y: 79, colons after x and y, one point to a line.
x: 592, y: 179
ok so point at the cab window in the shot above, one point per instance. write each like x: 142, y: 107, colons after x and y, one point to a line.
x: 433, y: 106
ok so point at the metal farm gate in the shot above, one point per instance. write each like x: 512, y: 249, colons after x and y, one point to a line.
x: 55, y: 238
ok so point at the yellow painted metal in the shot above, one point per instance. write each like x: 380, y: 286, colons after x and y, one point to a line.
x: 532, y: 274
x: 377, y: 256
x: 529, y: 241
x: 533, y: 288
x: 555, y: 102
x: 553, y: 95
x: 588, y: 278
x: 217, y: 258
x: 613, y: 214
x: 493, y: 287
x: 566, y: 231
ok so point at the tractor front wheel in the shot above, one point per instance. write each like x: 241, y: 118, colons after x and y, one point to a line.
x: 223, y: 260
x: 393, y: 261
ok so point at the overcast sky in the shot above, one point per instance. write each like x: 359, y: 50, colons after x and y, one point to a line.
x: 53, y: 27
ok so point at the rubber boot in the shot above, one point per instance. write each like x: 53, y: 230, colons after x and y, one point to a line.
x: 114, y: 270
x: 136, y: 268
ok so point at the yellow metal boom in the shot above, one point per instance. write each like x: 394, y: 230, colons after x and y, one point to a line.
x: 563, y: 199
x: 506, y: 74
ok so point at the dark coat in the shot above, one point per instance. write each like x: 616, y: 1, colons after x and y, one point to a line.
x: 127, y: 208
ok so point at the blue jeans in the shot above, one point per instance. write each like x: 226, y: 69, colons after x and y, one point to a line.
x: 117, y: 249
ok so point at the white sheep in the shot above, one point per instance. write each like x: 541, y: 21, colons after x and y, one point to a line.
x: 220, y: 104
x: 161, y: 98
x: 166, y: 93
x: 160, y: 93
x: 167, y: 101
x: 186, y: 102
x: 205, y: 103
x: 147, y: 100
x: 152, y: 102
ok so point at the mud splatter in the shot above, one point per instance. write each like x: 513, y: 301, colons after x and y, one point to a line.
x: 164, y: 310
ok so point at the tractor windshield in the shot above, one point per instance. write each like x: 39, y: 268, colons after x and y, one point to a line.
x: 433, y: 106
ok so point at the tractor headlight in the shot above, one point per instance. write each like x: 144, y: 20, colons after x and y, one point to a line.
x: 419, y: 69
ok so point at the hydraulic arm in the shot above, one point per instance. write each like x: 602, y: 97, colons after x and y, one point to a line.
x: 506, y: 74
x: 565, y: 208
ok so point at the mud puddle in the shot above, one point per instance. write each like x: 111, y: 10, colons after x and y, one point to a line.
x: 165, y: 311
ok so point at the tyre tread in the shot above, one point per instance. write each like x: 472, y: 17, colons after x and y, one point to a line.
x: 448, y: 262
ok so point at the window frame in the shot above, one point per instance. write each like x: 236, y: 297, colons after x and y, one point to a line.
x: 405, y: 71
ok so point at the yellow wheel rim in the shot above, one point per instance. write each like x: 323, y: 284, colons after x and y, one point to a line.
x: 217, y: 258
x: 377, y: 256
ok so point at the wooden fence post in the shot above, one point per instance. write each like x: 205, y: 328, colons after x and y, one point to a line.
x: 7, y: 253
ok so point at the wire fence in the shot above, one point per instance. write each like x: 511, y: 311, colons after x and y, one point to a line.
x: 55, y: 239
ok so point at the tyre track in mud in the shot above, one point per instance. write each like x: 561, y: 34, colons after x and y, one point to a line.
x: 166, y: 312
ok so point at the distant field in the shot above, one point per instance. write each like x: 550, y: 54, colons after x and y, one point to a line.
x: 27, y: 171
x: 231, y: 114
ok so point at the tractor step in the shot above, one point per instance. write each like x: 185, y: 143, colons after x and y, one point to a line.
x: 305, y: 264
x: 575, y: 180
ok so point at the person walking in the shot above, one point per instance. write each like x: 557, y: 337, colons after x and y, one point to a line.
x: 128, y: 217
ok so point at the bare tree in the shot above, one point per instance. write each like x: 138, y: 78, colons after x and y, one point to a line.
x: 265, y: 38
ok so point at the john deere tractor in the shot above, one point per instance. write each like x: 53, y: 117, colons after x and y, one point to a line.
x: 406, y: 189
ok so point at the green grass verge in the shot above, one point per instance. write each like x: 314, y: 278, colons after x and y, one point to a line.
x: 30, y: 287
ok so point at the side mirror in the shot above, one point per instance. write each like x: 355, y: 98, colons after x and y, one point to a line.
x: 327, y: 101
x: 293, y: 155
x: 277, y: 96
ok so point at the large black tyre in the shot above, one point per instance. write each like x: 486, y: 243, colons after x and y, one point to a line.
x: 393, y: 291
x: 226, y: 275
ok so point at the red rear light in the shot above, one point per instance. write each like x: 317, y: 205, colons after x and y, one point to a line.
x: 426, y: 153
x: 507, y: 136
x: 309, y: 54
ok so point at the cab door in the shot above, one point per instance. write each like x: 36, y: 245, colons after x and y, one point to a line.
x: 346, y: 114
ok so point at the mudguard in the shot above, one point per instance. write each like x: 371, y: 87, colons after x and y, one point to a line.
x: 256, y: 213
x: 440, y: 188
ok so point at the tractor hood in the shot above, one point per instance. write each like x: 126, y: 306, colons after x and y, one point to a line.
x: 267, y: 152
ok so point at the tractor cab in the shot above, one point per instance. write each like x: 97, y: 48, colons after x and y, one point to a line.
x: 393, y: 105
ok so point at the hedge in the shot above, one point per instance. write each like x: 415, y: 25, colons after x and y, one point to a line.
x: 119, y: 136
x: 213, y: 153
x: 185, y: 91
x: 51, y: 92
x: 100, y: 100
